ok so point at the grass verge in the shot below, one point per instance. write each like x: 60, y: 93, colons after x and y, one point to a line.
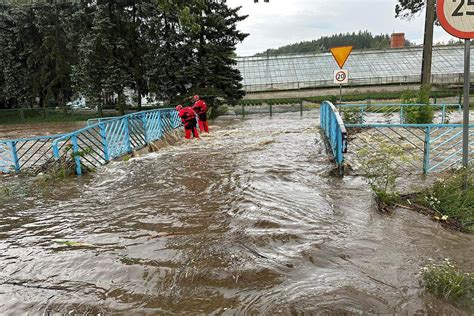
x: 446, y: 201
x: 446, y: 282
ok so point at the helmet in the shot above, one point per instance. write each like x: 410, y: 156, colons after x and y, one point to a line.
x: 179, y: 107
x: 196, y: 97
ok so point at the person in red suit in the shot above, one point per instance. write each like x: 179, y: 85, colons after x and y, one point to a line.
x: 188, y: 117
x: 200, y: 107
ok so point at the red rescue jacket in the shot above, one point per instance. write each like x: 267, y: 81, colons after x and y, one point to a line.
x: 187, y: 114
x: 200, y: 107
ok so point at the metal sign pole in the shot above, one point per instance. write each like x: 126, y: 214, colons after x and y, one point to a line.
x: 467, y: 73
x: 340, y: 93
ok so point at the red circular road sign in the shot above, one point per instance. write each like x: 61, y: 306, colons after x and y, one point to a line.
x: 457, y: 17
x: 340, y: 76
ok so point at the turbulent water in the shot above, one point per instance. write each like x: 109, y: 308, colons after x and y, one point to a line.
x: 249, y: 220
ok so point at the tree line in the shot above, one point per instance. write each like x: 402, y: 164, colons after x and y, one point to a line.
x: 360, y: 40
x: 52, y: 51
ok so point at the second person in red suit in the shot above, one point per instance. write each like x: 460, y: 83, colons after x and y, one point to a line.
x: 200, y: 107
x: 188, y: 117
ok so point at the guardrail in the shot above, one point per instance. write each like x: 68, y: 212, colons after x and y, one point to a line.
x: 426, y: 147
x: 89, y: 147
x: 391, y: 113
x: 334, y: 130
x: 25, y: 154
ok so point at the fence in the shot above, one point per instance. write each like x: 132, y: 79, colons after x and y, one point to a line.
x: 391, y: 113
x: 426, y: 148
x: 90, y: 147
x: 335, y: 131
x: 422, y: 147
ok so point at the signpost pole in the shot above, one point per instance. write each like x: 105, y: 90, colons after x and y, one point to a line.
x: 457, y: 18
x: 467, y: 73
x: 341, y: 76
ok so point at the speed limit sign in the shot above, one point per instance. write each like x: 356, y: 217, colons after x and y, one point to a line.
x: 341, y: 76
x: 457, y: 17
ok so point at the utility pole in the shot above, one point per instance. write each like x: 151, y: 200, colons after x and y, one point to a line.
x: 428, y: 43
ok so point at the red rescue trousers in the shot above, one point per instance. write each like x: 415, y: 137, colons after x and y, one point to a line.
x: 190, y: 127
x: 203, y: 126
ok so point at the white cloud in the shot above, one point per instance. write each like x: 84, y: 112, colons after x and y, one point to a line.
x: 282, y: 22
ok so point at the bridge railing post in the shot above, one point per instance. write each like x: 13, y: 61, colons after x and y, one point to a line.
x: 145, y: 127
x: 16, y: 161
x: 128, y: 143
x: 76, y: 155
x: 161, y: 125
x: 443, y: 115
x: 362, y: 115
x: 426, y: 150
x: 105, y: 145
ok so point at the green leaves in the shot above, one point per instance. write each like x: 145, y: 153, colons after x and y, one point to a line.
x: 51, y: 52
x: 446, y: 282
x: 447, y: 198
x: 381, y: 168
x: 418, y: 114
x: 408, y: 8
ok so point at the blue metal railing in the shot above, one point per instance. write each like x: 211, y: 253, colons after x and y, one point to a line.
x: 89, y: 147
x: 392, y: 113
x: 25, y: 154
x: 334, y: 130
x: 437, y: 147
x: 429, y: 147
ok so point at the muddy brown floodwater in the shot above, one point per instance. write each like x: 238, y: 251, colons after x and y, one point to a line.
x: 14, y: 131
x: 247, y: 221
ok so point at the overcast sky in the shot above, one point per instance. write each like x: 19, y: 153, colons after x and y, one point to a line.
x: 282, y: 22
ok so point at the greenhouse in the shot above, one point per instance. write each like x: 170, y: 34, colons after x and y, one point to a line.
x: 391, y: 66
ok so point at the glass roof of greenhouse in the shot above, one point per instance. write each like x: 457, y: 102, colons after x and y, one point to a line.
x: 284, y: 69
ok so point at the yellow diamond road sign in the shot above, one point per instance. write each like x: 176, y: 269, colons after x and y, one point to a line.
x: 341, y: 54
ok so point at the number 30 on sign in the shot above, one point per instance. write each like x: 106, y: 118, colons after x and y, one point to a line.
x: 457, y: 17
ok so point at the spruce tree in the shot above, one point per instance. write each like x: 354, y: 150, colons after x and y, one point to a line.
x: 215, y: 43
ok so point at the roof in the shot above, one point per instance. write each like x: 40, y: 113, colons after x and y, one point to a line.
x: 402, y: 65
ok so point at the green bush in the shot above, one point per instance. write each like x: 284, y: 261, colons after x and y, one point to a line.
x: 380, y: 167
x: 418, y: 114
x: 450, y: 201
x: 352, y: 115
x: 445, y: 282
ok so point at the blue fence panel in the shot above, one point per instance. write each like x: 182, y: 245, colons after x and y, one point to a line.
x: 26, y: 154
x: 90, y: 147
x: 8, y: 162
x: 334, y: 130
x: 445, y: 147
x: 154, y: 125
x: 391, y: 113
x: 117, y: 137
x: 429, y: 147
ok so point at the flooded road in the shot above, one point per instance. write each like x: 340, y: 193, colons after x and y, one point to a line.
x: 249, y: 220
x: 14, y: 131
